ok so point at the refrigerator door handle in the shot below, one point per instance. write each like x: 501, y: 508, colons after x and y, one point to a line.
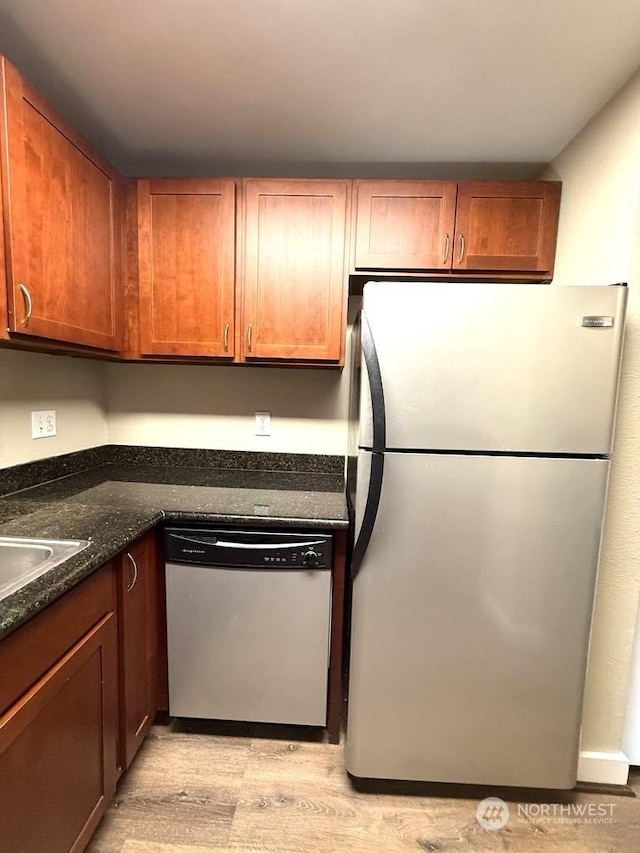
x: 370, y: 512
x: 375, y: 385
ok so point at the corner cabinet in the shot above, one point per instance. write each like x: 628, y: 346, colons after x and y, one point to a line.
x: 507, y: 228
x: 186, y: 258
x: 138, y: 637
x: 293, y: 270
x: 61, y: 225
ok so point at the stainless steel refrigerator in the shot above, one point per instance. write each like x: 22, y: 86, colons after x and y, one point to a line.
x: 485, y: 424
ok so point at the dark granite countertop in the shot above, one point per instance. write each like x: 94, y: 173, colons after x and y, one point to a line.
x: 114, y: 502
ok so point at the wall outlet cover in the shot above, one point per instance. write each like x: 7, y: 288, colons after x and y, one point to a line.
x: 43, y: 424
x: 263, y: 423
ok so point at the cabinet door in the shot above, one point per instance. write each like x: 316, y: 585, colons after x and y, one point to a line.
x: 404, y: 225
x: 138, y: 645
x: 57, y: 750
x: 507, y: 225
x: 186, y: 261
x: 61, y: 225
x: 294, y: 277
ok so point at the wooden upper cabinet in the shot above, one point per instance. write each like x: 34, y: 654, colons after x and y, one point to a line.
x: 507, y: 225
x: 62, y: 225
x: 294, y: 273
x: 404, y: 225
x: 186, y: 254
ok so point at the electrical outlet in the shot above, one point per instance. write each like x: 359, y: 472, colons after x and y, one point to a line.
x: 263, y: 423
x: 43, y: 424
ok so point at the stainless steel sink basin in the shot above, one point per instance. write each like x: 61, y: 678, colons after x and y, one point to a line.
x: 22, y: 560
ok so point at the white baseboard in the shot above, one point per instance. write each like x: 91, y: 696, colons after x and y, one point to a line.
x: 603, y: 768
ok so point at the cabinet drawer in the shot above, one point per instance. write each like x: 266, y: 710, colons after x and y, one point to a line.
x: 34, y: 647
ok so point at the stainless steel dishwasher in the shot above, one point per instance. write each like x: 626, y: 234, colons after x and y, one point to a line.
x: 248, y: 624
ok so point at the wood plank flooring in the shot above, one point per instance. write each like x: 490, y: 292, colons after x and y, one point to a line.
x: 193, y: 792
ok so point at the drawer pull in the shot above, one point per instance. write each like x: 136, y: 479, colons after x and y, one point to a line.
x: 135, y: 572
x: 28, y: 302
x: 461, y: 255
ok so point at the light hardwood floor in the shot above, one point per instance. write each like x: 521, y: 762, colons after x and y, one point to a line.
x: 192, y: 792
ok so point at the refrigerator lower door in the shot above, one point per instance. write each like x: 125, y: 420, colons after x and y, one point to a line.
x: 471, y: 617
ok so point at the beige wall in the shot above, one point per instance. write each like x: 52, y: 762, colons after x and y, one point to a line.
x: 168, y: 405
x: 628, y: 515
x: 214, y: 407
x: 598, y: 244
x: 31, y: 381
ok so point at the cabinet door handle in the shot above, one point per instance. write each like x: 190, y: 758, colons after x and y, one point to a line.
x: 446, y: 249
x: 28, y: 303
x: 227, y: 326
x: 461, y: 255
x: 249, y: 335
x: 135, y: 572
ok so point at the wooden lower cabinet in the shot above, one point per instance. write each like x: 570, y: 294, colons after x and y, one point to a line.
x: 78, y: 693
x: 58, y: 741
x: 138, y: 636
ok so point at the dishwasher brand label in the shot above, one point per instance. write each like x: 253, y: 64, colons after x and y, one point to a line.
x: 598, y: 321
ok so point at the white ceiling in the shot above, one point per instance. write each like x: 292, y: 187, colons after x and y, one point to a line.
x: 315, y: 86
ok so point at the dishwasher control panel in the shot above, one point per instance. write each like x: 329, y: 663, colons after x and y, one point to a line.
x: 240, y: 548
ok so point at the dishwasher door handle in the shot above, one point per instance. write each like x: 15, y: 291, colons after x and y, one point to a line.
x: 266, y: 546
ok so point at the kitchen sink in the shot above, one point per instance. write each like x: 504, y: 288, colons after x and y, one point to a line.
x: 22, y: 560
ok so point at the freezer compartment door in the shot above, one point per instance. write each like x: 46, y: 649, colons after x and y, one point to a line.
x: 494, y: 367
x: 248, y: 644
x: 471, y: 618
